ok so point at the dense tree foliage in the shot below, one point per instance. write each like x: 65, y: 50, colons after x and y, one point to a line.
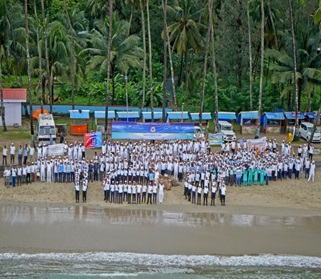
x: 75, y: 35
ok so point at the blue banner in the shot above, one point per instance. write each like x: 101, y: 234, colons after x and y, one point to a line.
x: 152, y: 131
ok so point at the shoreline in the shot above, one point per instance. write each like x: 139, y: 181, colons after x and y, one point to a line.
x: 168, y: 230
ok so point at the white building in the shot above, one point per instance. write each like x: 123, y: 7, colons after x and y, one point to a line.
x: 12, y: 100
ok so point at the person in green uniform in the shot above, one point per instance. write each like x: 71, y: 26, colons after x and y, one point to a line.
x: 250, y: 177
x: 245, y: 174
x: 255, y: 175
x: 262, y: 173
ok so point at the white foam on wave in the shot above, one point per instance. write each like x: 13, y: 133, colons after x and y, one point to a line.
x: 157, y: 261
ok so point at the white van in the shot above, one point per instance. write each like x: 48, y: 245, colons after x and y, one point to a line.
x: 305, y: 132
x: 198, y: 132
x: 46, y: 127
x: 226, y: 129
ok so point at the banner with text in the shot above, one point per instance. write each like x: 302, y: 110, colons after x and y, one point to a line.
x: 152, y: 131
x: 93, y: 140
x: 215, y: 139
x: 259, y: 144
x: 56, y: 149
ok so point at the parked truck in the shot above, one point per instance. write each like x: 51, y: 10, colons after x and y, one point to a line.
x: 226, y: 129
x: 46, y: 128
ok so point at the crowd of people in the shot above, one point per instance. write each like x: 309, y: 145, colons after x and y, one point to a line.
x: 133, y: 172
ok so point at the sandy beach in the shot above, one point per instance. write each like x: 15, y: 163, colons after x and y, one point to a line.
x: 282, y: 218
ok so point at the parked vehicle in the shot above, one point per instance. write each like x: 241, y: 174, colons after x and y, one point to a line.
x: 305, y: 132
x: 226, y: 128
x: 46, y: 127
x: 198, y: 132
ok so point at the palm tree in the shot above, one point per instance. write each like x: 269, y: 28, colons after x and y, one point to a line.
x: 73, y: 56
x: 4, y: 127
x: 109, y: 44
x: 39, y: 48
x: 28, y: 65
x: 296, y: 90
x: 262, y: 65
x: 250, y: 54
x: 213, y: 61
x: 308, y: 63
x: 44, y: 32
x: 184, y: 33
x: 144, y: 49
x: 164, y: 5
x: 150, y: 61
x: 13, y: 37
x: 207, y: 43
x: 125, y: 52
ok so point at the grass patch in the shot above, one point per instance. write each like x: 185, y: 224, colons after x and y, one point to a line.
x: 15, y: 134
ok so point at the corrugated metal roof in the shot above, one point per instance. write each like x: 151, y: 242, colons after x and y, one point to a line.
x: 249, y: 114
x: 312, y: 114
x: 102, y: 114
x: 178, y: 115
x: 79, y: 114
x: 274, y: 115
x: 205, y: 116
x: 148, y: 115
x: 15, y: 94
x: 129, y: 114
x: 291, y: 115
x: 225, y: 115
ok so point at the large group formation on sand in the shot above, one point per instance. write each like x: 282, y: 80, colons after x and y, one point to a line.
x: 132, y: 172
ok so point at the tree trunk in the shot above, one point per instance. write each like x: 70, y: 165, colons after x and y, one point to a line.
x: 39, y: 56
x: 170, y: 56
x: 44, y: 29
x: 164, y: 5
x: 262, y: 67
x: 109, y: 44
x: 205, y: 69
x: 296, y: 90
x: 240, y: 46
x: 73, y: 57
x: 145, y: 54
x: 3, y: 118
x: 150, y: 62
x: 28, y: 67
x: 214, y: 63
x: 250, y: 54
x: 273, y: 26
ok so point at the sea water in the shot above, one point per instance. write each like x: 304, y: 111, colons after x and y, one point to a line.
x: 134, y: 265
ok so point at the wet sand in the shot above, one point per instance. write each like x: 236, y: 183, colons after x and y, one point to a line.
x: 165, y: 229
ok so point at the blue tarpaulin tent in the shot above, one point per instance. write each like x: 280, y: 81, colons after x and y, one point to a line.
x: 147, y: 116
x: 271, y: 118
x: 128, y: 116
x: 226, y: 116
x: 177, y: 115
x: 195, y: 116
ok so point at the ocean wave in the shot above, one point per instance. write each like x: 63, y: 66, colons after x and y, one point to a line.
x: 159, y: 261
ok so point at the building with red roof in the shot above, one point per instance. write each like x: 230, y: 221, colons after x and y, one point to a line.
x: 12, y: 101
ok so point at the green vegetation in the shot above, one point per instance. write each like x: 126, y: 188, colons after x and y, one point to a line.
x: 77, y: 32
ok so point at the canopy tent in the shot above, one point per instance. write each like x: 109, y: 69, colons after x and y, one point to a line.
x: 36, y: 113
x: 147, y: 116
x: 226, y: 116
x: 271, y: 122
x: 102, y: 114
x: 205, y: 116
x: 131, y: 116
x: 177, y: 115
x: 79, y: 122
